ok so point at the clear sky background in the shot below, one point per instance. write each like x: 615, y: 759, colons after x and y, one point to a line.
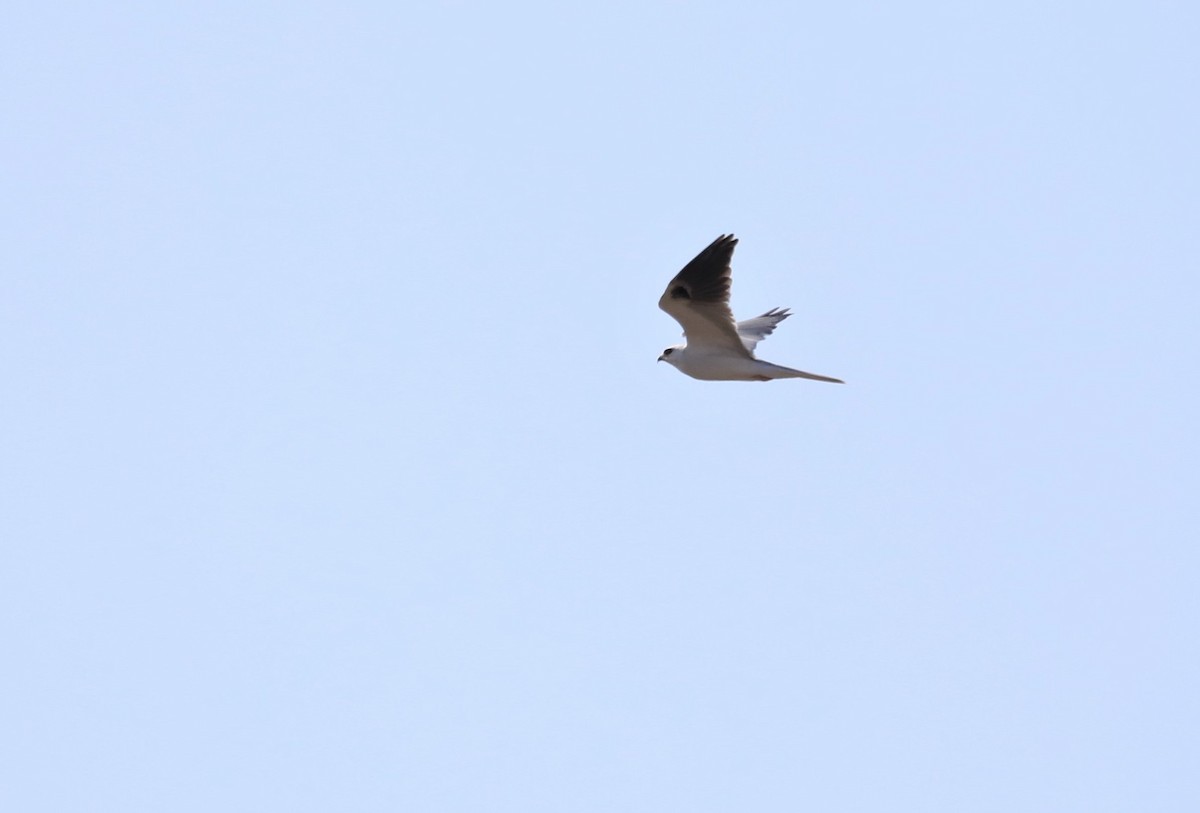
x: 338, y: 472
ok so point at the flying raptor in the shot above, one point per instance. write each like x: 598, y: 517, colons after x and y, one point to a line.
x: 718, y: 348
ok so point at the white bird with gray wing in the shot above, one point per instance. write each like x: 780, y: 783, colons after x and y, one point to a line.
x: 718, y: 348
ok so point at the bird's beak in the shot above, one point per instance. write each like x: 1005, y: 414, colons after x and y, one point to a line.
x: 660, y: 358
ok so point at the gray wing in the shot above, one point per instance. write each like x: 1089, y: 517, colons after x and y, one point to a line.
x: 753, y: 331
x: 698, y: 299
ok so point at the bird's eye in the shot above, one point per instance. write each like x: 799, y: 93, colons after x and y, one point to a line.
x: 668, y: 351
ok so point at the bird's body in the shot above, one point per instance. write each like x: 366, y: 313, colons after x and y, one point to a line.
x: 718, y: 348
x: 723, y: 367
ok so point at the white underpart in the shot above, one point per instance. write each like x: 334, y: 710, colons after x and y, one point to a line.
x: 713, y: 365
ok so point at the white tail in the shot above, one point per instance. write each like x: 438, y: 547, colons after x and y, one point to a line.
x: 777, y: 371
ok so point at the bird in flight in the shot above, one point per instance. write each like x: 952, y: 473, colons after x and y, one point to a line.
x: 718, y: 348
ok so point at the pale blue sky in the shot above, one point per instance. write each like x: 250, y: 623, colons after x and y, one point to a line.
x: 338, y: 472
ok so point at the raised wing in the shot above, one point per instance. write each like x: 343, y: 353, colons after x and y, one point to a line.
x: 753, y: 331
x: 698, y: 299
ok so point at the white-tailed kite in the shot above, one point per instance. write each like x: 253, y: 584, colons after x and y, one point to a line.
x: 718, y: 348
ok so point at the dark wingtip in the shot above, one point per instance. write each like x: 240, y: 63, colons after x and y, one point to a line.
x: 707, y: 277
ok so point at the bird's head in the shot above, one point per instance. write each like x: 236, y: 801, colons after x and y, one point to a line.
x: 671, y: 354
